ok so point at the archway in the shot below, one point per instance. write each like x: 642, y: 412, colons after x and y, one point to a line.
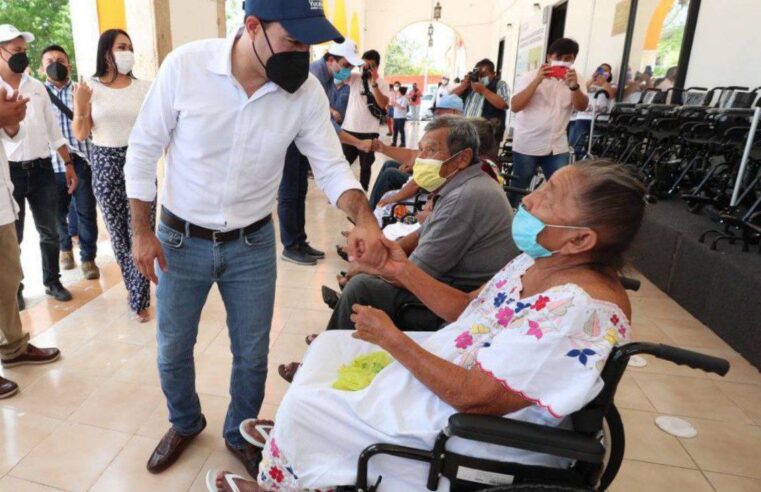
x: 423, y: 52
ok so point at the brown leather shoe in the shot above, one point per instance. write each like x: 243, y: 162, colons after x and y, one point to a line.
x: 67, y: 260
x: 250, y: 456
x: 90, y: 270
x: 34, y: 356
x: 170, y: 448
x: 7, y: 388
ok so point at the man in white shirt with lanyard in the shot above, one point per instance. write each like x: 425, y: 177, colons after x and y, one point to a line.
x: 225, y: 111
x: 15, y: 349
x: 31, y: 167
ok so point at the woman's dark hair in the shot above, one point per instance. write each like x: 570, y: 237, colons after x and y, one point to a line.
x: 563, y: 46
x: 612, y: 202
x: 105, y: 56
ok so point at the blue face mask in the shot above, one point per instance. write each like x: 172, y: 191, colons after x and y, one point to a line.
x: 526, y: 228
x: 342, y: 74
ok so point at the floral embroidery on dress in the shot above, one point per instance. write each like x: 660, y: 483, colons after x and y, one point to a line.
x: 479, y: 329
x: 582, y: 354
x: 540, y: 303
x: 520, y: 306
x: 533, y: 329
x: 464, y: 341
x: 274, y: 449
x: 504, y: 316
x: 276, y: 474
x: 500, y: 299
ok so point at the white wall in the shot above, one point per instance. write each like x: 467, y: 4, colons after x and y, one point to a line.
x: 192, y: 20
x: 727, y: 44
x: 84, y: 27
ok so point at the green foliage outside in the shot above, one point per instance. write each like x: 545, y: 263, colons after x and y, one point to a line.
x: 48, y: 20
x: 670, y: 43
x: 403, y: 57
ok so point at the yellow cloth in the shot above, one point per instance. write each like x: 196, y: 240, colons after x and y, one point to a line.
x: 360, y: 372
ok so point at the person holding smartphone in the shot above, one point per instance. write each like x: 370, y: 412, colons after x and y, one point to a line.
x: 543, y: 102
x: 579, y: 128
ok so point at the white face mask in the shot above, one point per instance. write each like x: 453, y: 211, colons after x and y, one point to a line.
x: 125, y: 61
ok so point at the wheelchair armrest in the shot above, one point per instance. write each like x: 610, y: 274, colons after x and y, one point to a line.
x: 527, y: 436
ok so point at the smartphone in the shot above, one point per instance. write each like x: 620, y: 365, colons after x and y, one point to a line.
x: 558, y: 72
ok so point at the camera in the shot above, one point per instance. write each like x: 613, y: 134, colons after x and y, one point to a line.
x: 366, y: 74
x: 474, y: 75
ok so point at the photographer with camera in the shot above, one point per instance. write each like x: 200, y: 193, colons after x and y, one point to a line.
x: 486, y: 96
x: 543, y: 103
x: 368, y: 99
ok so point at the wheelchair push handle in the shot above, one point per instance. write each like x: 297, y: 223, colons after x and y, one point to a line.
x: 692, y: 359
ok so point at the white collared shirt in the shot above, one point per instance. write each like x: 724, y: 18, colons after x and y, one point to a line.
x: 540, y: 128
x: 226, y: 151
x: 42, y: 133
x: 8, y: 206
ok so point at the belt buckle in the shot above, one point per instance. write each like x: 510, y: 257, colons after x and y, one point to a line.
x: 27, y: 165
x: 214, y: 238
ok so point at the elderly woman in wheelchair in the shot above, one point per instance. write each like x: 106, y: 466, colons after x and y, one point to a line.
x: 529, y: 345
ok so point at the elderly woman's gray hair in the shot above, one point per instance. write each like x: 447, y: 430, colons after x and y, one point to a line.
x: 462, y: 134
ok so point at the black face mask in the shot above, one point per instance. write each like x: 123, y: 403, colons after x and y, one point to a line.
x: 57, y: 72
x: 18, y: 62
x: 289, y: 69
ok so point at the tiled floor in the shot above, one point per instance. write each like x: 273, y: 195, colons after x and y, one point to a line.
x: 90, y: 421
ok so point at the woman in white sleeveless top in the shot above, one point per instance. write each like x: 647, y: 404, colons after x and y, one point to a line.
x: 107, y: 106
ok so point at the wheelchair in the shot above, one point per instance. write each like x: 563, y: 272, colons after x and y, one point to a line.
x: 595, y: 445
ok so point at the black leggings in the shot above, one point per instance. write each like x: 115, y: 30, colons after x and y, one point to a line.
x: 366, y: 159
x: 399, y: 130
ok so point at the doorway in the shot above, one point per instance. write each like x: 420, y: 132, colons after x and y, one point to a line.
x: 557, y: 22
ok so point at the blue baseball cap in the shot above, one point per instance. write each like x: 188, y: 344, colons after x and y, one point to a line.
x: 303, y: 19
x: 450, y: 101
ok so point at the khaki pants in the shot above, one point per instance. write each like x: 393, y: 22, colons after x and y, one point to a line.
x: 13, y: 340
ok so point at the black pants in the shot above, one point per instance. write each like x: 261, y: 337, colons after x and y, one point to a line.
x: 399, y: 130
x: 37, y: 186
x: 366, y: 159
x: 291, y: 198
x: 389, y: 178
x: 369, y: 290
x: 85, y: 217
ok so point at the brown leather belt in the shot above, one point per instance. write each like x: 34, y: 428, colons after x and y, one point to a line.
x: 34, y: 163
x: 219, y: 237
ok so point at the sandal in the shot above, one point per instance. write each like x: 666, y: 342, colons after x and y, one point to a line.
x: 211, y: 480
x: 263, y: 428
x: 288, y: 371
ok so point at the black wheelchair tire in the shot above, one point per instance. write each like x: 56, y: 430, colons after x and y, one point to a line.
x: 613, y: 427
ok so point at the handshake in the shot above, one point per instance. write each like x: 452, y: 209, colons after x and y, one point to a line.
x: 369, y: 145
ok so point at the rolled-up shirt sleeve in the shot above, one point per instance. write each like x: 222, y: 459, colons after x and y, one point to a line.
x: 318, y: 141
x: 152, y: 133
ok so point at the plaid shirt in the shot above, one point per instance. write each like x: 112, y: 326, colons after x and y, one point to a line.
x: 82, y: 149
x: 474, y: 103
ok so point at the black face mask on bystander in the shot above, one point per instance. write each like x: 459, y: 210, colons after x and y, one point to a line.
x: 289, y: 69
x: 57, y: 72
x: 17, y: 62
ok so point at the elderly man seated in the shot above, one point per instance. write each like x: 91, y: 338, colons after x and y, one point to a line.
x: 464, y: 241
x: 528, y: 345
x: 397, y: 171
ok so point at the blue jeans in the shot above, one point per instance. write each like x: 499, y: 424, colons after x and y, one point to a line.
x: 389, y: 178
x: 291, y: 199
x: 245, y: 271
x: 524, y: 166
x: 86, y: 217
x: 579, y: 129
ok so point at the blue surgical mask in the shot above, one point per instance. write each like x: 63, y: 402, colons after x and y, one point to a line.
x: 485, y: 80
x: 342, y: 74
x: 526, y: 228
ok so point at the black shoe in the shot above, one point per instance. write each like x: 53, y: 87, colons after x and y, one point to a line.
x: 58, y: 291
x: 330, y: 297
x: 306, y: 248
x: 299, y: 257
x: 20, y: 300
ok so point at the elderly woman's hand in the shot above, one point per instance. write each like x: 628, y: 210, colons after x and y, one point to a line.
x: 374, y: 326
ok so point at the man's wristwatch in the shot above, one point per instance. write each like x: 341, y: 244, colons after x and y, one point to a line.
x: 68, y: 163
x: 574, y: 88
x: 374, y: 85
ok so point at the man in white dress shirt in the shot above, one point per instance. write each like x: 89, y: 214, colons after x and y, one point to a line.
x: 30, y: 163
x: 15, y: 348
x: 225, y: 111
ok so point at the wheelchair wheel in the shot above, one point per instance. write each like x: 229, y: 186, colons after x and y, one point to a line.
x: 614, y: 441
x: 535, y: 487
